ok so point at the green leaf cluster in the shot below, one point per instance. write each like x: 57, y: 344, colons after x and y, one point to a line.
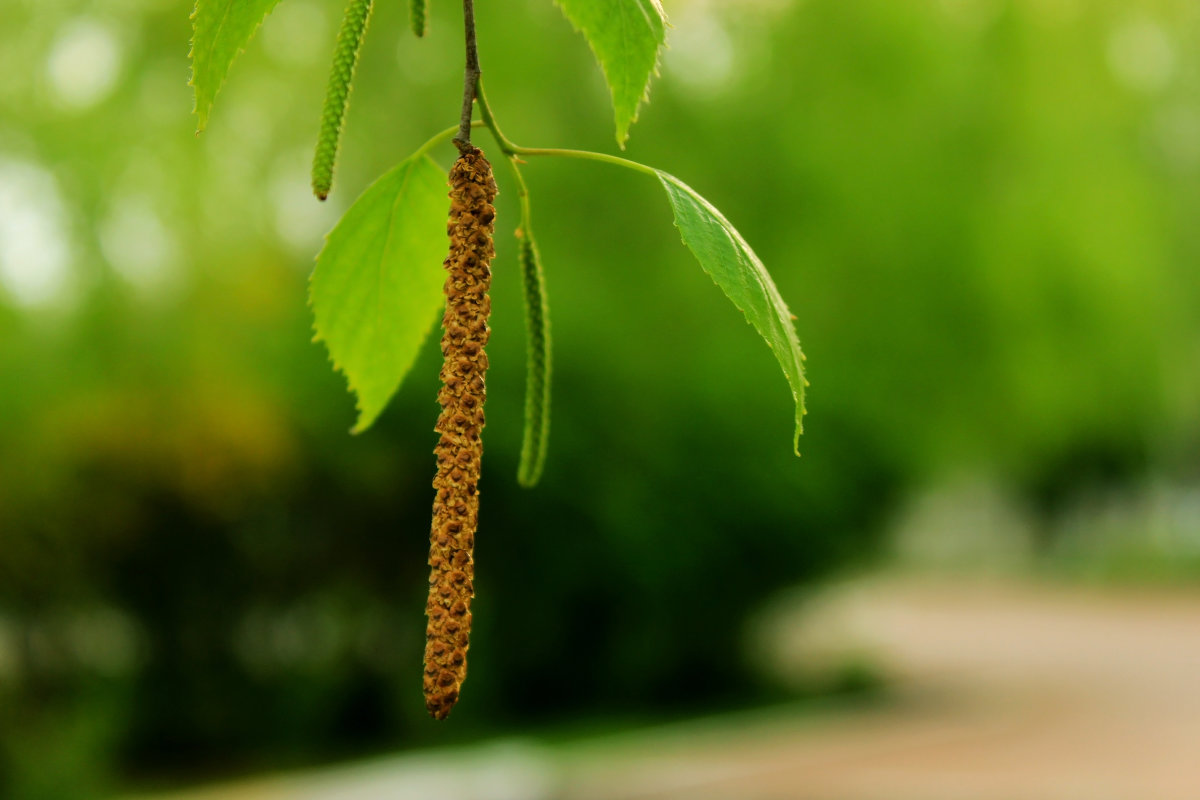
x: 377, y: 285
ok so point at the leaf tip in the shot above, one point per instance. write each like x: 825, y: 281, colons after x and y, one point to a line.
x: 201, y: 118
x: 366, y: 416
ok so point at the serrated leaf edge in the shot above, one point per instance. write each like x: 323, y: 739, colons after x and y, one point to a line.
x: 359, y: 427
x: 203, y: 115
x: 798, y: 394
x: 622, y: 135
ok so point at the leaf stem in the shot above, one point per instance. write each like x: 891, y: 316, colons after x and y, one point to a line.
x: 513, y: 150
x: 485, y: 110
x: 588, y: 156
x: 522, y: 191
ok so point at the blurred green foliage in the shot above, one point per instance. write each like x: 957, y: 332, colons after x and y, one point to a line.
x: 981, y: 211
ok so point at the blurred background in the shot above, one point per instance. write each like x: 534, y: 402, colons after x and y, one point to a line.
x: 980, y: 580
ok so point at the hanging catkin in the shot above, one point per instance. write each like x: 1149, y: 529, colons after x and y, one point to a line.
x: 337, y: 96
x: 459, y: 448
x: 416, y: 15
x: 537, y: 379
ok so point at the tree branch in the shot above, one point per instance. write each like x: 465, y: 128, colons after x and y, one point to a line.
x: 470, y: 77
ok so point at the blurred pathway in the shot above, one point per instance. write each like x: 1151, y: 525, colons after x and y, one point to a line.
x: 1007, y: 692
x: 1004, y: 692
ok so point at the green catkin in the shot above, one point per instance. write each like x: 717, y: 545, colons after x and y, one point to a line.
x: 337, y: 97
x: 537, y: 378
x: 417, y: 12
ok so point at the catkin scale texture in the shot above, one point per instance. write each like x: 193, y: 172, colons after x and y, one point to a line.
x: 459, y: 449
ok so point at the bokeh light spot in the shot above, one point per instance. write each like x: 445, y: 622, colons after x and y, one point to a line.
x: 1141, y: 56
x: 140, y: 248
x: 83, y: 64
x: 34, y: 255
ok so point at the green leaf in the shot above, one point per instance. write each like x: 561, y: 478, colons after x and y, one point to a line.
x: 725, y: 256
x: 625, y: 35
x: 220, y: 31
x: 377, y: 286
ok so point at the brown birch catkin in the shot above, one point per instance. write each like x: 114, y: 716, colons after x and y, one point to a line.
x: 459, y: 448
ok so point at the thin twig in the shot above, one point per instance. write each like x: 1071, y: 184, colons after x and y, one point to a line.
x: 485, y: 111
x: 470, y: 77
